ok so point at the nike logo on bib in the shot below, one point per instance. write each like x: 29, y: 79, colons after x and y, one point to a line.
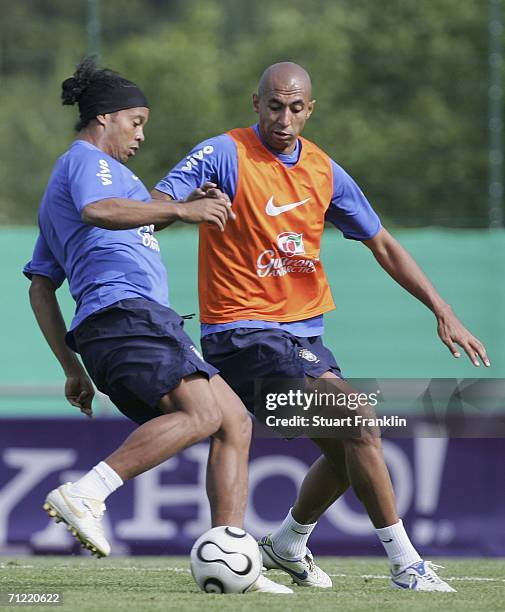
x: 273, y: 210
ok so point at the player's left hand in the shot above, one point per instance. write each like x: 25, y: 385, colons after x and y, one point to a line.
x: 201, y: 192
x: 79, y: 392
x: 452, y: 332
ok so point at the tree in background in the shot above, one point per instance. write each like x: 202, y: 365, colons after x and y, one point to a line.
x: 401, y: 88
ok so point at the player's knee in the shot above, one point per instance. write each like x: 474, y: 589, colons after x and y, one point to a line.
x: 206, y: 421
x: 244, y: 425
x: 237, y: 425
x: 366, y: 433
x: 367, y: 437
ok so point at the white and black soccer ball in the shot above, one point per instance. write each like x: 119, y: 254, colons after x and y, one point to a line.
x: 225, y: 560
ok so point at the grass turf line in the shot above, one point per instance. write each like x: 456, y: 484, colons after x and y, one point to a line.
x: 164, y: 583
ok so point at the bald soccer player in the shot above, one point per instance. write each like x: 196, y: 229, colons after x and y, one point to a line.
x: 263, y: 293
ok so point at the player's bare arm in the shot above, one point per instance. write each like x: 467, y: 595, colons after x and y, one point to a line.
x: 196, y: 205
x: 121, y: 213
x: 401, y: 266
x: 78, y: 387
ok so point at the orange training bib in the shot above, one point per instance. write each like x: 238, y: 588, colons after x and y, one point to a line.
x: 265, y: 265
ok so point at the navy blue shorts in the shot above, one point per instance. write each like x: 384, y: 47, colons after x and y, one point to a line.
x: 136, y: 351
x: 244, y: 355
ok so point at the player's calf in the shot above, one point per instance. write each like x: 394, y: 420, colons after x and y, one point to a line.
x: 228, y: 458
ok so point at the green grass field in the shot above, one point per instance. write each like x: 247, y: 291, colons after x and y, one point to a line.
x: 164, y: 583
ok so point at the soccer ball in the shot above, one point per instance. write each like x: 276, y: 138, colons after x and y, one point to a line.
x: 225, y: 560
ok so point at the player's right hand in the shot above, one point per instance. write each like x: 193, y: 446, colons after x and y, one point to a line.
x: 79, y: 392
x: 215, y: 210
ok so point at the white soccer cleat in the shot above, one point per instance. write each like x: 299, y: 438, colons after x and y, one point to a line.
x: 265, y: 585
x: 420, y: 576
x: 304, y: 571
x: 83, y: 517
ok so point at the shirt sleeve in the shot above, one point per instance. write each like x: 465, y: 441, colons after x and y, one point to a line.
x: 213, y: 160
x: 44, y: 263
x: 94, y: 176
x: 349, y: 210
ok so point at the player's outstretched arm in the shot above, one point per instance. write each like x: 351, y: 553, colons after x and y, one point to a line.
x: 78, y: 387
x: 121, y: 213
x: 401, y: 266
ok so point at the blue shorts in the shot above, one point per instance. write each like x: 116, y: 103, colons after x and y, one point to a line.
x: 136, y: 351
x: 245, y: 355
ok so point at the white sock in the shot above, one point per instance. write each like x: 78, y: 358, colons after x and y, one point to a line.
x: 398, y: 547
x: 98, y: 483
x: 290, y: 540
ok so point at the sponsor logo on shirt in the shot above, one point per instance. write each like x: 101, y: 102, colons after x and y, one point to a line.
x: 272, y: 210
x: 195, y: 158
x: 104, y: 174
x: 290, y: 243
x: 268, y: 264
x: 148, y: 240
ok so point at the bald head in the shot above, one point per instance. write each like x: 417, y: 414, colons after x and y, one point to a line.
x: 283, y: 103
x: 285, y: 76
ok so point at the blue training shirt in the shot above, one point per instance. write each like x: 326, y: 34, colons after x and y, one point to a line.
x: 102, y: 266
x: 215, y: 160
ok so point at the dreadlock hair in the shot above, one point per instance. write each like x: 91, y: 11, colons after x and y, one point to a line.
x: 99, y: 91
